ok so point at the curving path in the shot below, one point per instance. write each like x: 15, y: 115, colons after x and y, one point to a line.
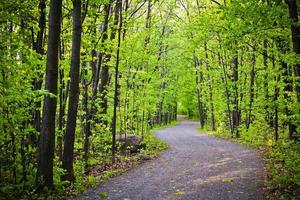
x: 195, y: 167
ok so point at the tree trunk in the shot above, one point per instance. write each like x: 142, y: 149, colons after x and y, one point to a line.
x: 61, y: 115
x: 100, y: 56
x: 211, y: 101
x: 87, y: 122
x: 47, y: 137
x: 295, y: 28
x: 114, y: 121
x: 266, y: 81
x: 198, y: 90
x: 276, y: 95
x: 235, y: 112
x: 67, y: 162
x: 104, y: 75
x: 288, y: 88
x: 251, y: 92
x: 221, y: 62
x: 282, y: 44
x: 39, y: 49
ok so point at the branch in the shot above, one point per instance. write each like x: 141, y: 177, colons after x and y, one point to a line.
x: 216, y: 2
x: 137, y: 8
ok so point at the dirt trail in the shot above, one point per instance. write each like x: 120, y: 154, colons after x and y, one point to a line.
x: 195, y: 167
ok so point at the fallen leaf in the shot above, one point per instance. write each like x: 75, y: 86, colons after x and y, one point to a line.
x: 227, y: 180
x: 180, y: 193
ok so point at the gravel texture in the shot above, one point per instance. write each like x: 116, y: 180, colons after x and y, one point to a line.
x: 196, y: 166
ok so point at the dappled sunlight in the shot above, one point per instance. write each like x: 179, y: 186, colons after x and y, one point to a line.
x: 225, y: 177
x: 92, y: 88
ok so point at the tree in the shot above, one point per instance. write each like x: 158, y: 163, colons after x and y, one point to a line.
x: 67, y: 162
x: 118, y: 10
x: 47, y: 137
x: 295, y: 29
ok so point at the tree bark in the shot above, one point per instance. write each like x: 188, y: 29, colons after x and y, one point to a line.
x: 266, y: 81
x: 104, y: 75
x: 276, y: 95
x: 100, y: 56
x: 47, y: 137
x: 67, y: 162
x: 211, y: 101
x: 61, y: 115
x: 235, y: 112
x: 198, y: 90
x: 251, y: 92
x: 221, y: 62
x: 114, y: 121
x: 295, y: 28
x: 40, y: 50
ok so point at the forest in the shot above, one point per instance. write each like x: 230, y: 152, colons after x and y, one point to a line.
x: 78, y: 74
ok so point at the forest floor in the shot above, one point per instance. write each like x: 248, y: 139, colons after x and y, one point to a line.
x: 196, y: 166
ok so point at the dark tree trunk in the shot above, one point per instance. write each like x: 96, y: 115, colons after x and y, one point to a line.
x: 67, y: 162
x: 87, y: 114
x: 143, y: 120
x: 47, y: 138
x: 295, y: 28
x: 39, y: 49
x: 100, y: 56
x: 251, y: 92
x: 159, y: 113
x: 288, y: 88
x: 266, y: 81
x: 211, y: 101
x: 114, y: 121
x: 63, y: 92
x: 198, y: 90
x: 221, y: 62
x: 283, y: 44
x: 61, y: 115
x: 148, y: 22
x: 104, y: 75
x: 276, y: 95
x: 87, y: 125
x: 235, y: 112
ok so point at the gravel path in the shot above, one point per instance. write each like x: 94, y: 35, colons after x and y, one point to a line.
x: 195, y: 167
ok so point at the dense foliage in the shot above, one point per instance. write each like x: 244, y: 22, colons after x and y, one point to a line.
x: 125, y: 66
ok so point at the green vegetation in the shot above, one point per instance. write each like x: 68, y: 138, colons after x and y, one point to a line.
x: 75, y: 74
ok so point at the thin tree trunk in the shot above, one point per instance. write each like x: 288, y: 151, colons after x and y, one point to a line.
x: 266, y: 81
x: 114, y: 122
x: 221, y: 62
x: 100, y: 56
x: 211, y: 101
x: 251, y: 93
x: 104, y: 75
x: 39, y: 49
x: 87, y: 122
x: 235, y: 112
x: 143, y: 119
x: 198, y: 90
x: 61, y: 115
x: 274, y: 119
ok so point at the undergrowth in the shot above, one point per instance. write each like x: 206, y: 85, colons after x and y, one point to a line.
x: 101, y: 169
